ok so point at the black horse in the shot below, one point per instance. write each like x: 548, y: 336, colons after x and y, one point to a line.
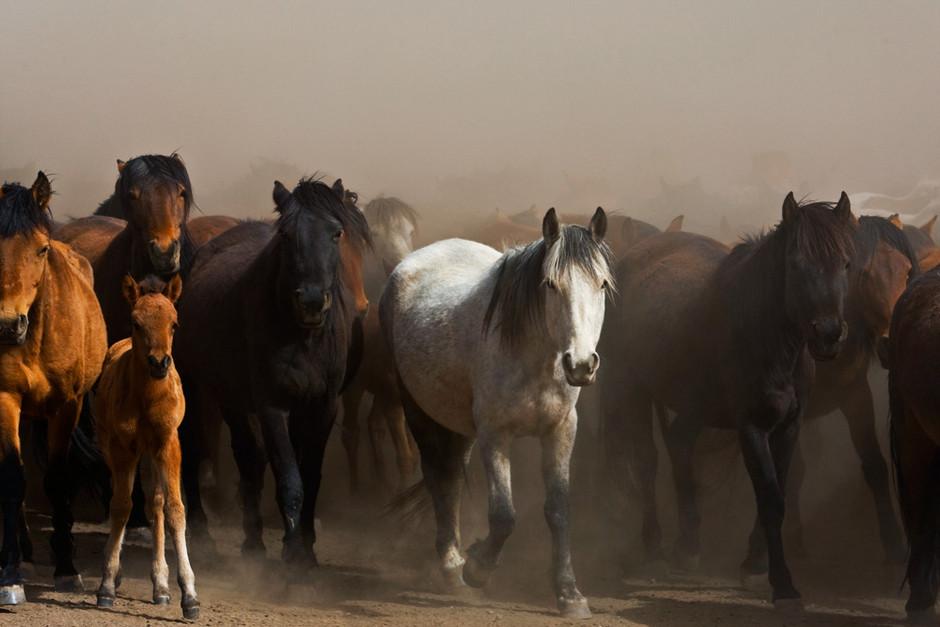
x: 266, y: 336
x: 725, y: 340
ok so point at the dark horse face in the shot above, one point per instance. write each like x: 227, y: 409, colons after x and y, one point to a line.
x: 24, y: 250
x: 818, y: 250
x: 309, y: 249
x: 155, y: 194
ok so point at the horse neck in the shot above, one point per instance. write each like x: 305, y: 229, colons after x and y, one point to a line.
x: 111, y: 207
x: 753, y: 294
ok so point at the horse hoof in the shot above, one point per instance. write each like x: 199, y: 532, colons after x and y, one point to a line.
x: 190, y: 608
x: 161, y: 599
x: 789, y: 606
x: 576, y: 608
x: 69, y: 583
x: 12, y: 595
x: 453, y: 579
x: 754, y: 582
x: 105, y: 602
x: 475, y: 574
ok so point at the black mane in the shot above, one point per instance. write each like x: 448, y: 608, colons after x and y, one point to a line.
x: 20, y: 214
x: 518, y: 301
x: 312, y: 194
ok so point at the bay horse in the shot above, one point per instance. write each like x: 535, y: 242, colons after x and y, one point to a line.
x: 139, y: 405
x: 491, y: 347
x: 913, y: 358
x: 725, y: 340
x: 52, y: 344
x: 266, y: 336
x: 393, y: 224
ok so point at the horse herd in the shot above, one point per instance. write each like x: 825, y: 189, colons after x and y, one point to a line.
x: 266, y: 326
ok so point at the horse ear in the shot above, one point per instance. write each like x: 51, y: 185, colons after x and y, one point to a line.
x: 281, y: 196
x: 895, y: 219
x: 790, y: 208
x: 173, y: 288
x: 121, y: 165
x: 676, y: 225
x: 628, y: 231
x: 130, y: 289
x: 598, y: 225
x: 42, y: 190
x: 550, y: 227
x: 177, y: 156
x: 844, y: 208
x: 928, y: 226
x: 338, y: 189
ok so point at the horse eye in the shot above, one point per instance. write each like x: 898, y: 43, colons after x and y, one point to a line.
x: 137, y: 326
x: 42, y: 252
x: 550, y: 284
x: 337, y: 235
x: 848, y: 264
x: 605, y: 286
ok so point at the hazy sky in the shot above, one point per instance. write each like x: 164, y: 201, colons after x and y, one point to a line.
x: 402, y: 97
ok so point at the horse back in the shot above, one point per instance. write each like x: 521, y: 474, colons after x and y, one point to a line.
x: 89, y: 236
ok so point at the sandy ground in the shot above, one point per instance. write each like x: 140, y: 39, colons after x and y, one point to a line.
x: 377, y: 571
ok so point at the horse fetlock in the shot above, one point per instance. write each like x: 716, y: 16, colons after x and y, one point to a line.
x: 69, y: 583
x: 477, y: 572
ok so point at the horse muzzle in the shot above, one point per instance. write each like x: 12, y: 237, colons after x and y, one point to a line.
x: 13, y: 330
x: 165, y: 260
x: 159, y: 368
x: 312, y: 308
x: 826, y: 338
x: 581, y: 373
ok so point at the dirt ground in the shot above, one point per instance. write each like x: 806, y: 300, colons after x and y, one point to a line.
x: 377, y: 571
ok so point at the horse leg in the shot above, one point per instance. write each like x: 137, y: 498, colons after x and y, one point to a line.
x: 643, y: 460
x: 483, y: 555
x: 918, y: 469
x: 443, y: 458
x: 168, y: 461
x: 680, y: 438
x: 26, y: 543
x: 58, y: 487
x: 556, y: 460
x: 123, y: 465
x: 767, y: 460
x: 316, y: 424
x: 12, y: 491
x: 859, y: 412
x: 138, y: 519
x: 191, y: 442
x: 378, y: 431
x: 159, y: 571
x: 404, y: 453
x: 249, y: 457
x: 352, y: 397
x: 289, y: 486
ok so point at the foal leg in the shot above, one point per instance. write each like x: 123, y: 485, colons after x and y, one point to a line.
x: 58, y: 486
x: 123, y: 466
x: 12, y: 491
x: 767, y: 459
x: 556, y: 460
x: 483, y: 555
x: 249, y: 457
x: 443, y: 458
x: 159, y: 571
x: 859, y: 412
x: 352, y: 397
x: 167, y: 460
x: 680, y: 440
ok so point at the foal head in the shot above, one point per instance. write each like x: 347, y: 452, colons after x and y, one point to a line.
x: 553, y: 291
x: 156, y: 195
x: 153, y: 315
x: 25, y: 223
x: 818, y: 245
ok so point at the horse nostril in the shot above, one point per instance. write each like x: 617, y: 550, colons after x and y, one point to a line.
x: 165, y: 362
x: 567, y: 362
x: 594, y: 363
x: 327, y: 301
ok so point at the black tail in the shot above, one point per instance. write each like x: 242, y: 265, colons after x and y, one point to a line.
x: 86, y: 464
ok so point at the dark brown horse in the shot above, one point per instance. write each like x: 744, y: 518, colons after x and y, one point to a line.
x: 725, y: 340
x: 52, y: 344
x: 914, y: 369
x: 266, y: 333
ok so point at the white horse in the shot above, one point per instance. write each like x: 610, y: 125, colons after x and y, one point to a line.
x: 493, y: 347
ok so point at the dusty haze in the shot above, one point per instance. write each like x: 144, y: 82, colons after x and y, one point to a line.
x: 470, y: 106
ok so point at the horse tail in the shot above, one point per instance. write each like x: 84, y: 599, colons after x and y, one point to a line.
x: 86, y: 463
x: 411, y: 505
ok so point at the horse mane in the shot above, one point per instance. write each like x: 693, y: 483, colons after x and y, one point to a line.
x: 312, y: 194
x: 385, y: 209
x: 518, y: 302
x: 20, y: 214
x: 874, y: 229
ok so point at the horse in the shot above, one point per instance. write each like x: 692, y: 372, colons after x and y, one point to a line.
x: 393, y: 224
x: 138, y: 406
x: 913, y: 355
x: 726, y: 340
x: 204, y: 228
x: 266, y: 337
x: 490, y: 347
x: 52, y: 344
x: 883, y: 264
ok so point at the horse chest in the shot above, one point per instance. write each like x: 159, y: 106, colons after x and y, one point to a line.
x: 294, y: 372
x: 25, y: 379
